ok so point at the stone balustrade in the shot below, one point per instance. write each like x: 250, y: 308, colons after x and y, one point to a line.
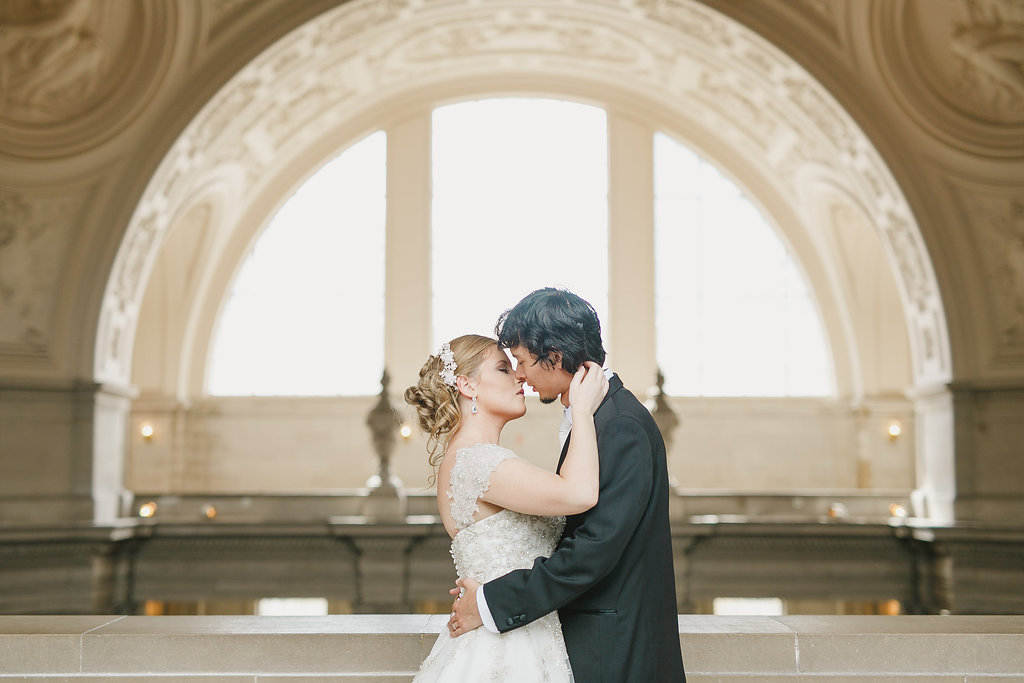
x: 388, y: 649
x: 398, y: 568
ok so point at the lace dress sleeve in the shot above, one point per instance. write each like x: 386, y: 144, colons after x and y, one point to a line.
x: 470, y: 477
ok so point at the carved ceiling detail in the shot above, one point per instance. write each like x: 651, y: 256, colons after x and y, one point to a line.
x: 73, y: 73
x: 825, y: 15
x: 703, y: 66
x: 33, y: 249
x: 957, y: 67
x: 223, y: 12
x: 999, y: 240
x: 990, y: 48
x: 827, y: 11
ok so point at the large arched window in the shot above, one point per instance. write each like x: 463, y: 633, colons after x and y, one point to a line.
x: 520, y: 201
x: 305, y: 314
x: 734, y: 314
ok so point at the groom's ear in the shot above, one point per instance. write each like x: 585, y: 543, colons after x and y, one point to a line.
x: 556, y: 359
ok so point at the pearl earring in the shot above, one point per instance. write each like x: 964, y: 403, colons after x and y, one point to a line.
x: 474, y: 405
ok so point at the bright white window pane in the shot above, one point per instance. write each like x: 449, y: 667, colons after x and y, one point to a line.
x: 520, y: 202
x: 310, y: 296
x: 292, y: 607
x: 765, y: 607
x: 734, y: 314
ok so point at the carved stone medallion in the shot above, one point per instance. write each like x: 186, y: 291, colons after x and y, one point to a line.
x: 957, y: 67
x: 75, y: 72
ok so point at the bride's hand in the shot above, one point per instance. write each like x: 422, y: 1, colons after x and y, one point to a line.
x: 587, y: 389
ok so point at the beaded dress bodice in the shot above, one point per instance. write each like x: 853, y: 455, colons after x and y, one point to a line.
x: 503, y: 541
x: 485, y: 550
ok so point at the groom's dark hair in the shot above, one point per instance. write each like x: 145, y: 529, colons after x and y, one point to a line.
x: 552, y: 319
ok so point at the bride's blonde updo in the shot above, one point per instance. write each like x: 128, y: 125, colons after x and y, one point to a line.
x: 437, y: 403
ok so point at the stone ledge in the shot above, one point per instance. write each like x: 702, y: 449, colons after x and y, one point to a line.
x: 389, y: 648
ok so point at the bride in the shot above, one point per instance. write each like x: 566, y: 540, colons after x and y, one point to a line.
x: 501, y: 511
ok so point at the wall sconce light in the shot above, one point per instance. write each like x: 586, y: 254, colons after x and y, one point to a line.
x: 405, y: 431
x: 894, y: 431
x: 837, y: 511
x: 209, y: 511
x: 147, y: 510
x: 147, y: 431
x: 897, y: 510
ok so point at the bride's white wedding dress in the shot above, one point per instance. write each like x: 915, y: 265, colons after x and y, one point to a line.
x: 483, y: 551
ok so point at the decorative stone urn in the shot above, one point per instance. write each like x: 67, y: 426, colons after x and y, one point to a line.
x: 385, y: 501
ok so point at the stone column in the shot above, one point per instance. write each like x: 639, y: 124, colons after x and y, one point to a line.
x: 631, y: 343
x: 407, y: 280
x: 383, y: 574
x: 989, y: 455
x: 62, y: 451
x: 936, y: 479
x: 108, y: 409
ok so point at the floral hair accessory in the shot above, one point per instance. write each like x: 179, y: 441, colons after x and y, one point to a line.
x: 448, y: 358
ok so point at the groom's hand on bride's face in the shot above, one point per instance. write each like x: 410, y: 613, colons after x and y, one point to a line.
x: 465, y: 614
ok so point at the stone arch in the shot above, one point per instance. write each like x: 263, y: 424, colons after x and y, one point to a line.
x: 713, y: 77
x: 695, y: 62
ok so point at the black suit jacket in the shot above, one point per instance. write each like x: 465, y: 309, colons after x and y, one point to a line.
x: 611, y: 577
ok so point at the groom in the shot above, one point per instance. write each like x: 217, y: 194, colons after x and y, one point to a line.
x: 611, y: 576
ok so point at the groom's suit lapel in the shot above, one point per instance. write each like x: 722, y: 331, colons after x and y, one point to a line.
x: 614, y: 384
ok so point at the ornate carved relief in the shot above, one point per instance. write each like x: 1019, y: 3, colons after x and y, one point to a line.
x: 924, y: 312
x: 34, y: 235
x: 52, y: 68
x: 696, y: 62
x: 74, y: 72
x: 957, y: 67
x: 990, y: 48
x: 823, y: 12
x: 224, y: 12
x: 1000, y: 240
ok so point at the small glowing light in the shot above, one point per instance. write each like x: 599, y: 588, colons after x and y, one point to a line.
x: 891, y: 608
x: 147, y: 509
x: 897, y: 510
x: 895, y: 430
x: 837, y: 511
x: 147, y: 431
x: 405, y: 431
x: 209, y: 511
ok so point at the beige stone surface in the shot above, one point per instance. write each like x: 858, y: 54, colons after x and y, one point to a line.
x: 692, y: 677
x: 760, y: 645
x: 257, y: 644
x: 30, y: 644
x: 368, y: 678
x: 947, y: 625
x: 388, y: 649
x: 106, y: 678
x: 746, y: 653
x: 955, y: 644
x: 719, y: 624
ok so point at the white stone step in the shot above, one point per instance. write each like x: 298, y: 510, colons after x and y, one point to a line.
x: 389, y: 649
